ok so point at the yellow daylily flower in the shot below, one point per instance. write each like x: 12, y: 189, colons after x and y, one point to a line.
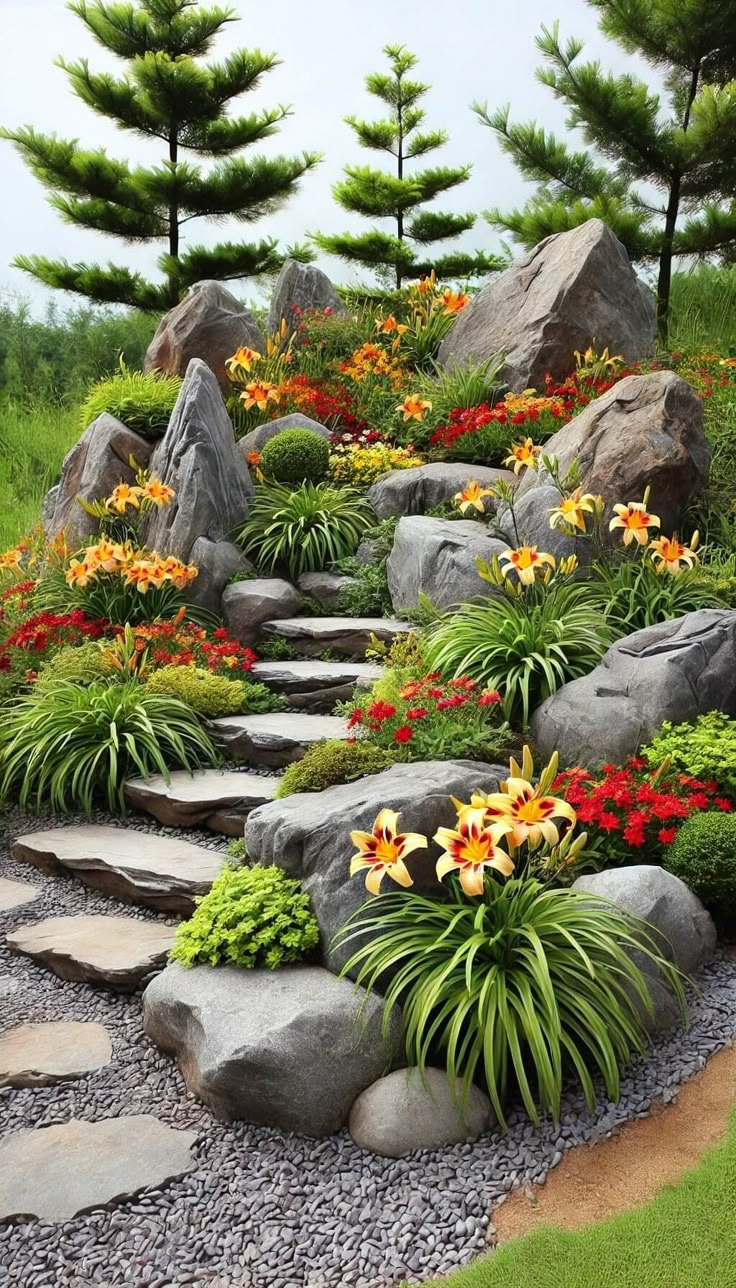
x: 471, y: 497
x: 79, y: 573
x: 472, y: 846
x: 530, y: 810
x: 383, y: 850
x: 671, y: 555
x: 414, y: 408
x: 259, y: 393
x: 572, y: 509
x: 10, y: 560
x: 158, y: 493
x: 241, y: 362
x: 523, y: 456
x: 635, y: 520
x: 124, y: 495
x: 526, y: 562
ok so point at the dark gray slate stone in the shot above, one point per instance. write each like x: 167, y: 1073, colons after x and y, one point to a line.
x: 199, y: 459
x: 289, y: 1048
x: 217, y: 561
x: 346, y: 636
x: 675, y: 671
x: 246, y: 605
x: 406, y: 1111
x: 420, y: 489
x: 308, y: 834
x: 256, y: 440
x: 277, y: 738
x: 209, y: 324
x: 437, y: 558
x: 302, y: 286
x: 324, y: 587
x: 93, y: 467
x: 572, y: 289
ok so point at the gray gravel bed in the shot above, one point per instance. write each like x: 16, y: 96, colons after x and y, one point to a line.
x: 265, y: 1210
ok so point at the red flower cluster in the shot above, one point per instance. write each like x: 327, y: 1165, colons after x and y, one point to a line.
x: 636, y: 806
x: 180, y: 643
x: 45, y: 630
x: 420, y: 700
x: 331, y: 405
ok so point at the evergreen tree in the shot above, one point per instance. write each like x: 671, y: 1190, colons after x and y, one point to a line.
x: 681, y: 148
x: 166, y: 93
x: 399, y: 196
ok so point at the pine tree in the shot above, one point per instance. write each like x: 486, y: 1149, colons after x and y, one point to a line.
x: 399, y: 196
x: 167, y: 93
x: 682, y: 148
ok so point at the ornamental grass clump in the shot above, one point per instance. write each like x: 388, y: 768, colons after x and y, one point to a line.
x: 143, y: 403
x: 252, y: 917
x: 304, y: 530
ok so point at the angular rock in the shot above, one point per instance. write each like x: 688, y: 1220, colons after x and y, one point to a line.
x: 289, y: 1048
x: 573, y: 289
x: 217, y: 562
x: 674, y: 671
x: 647, y: 431
x: 117, y: 951
x: 314, y: 684
x: 199, y: 459
x: 372, y: 550
x: 325, y: 588
x: 308, y: 834
x: 52, y: 1174
x: 209, y: 324
x: 420, y: 489
x: 36, y: 1055
x: 437, y: 558
x: 404, y: 1112
x: 347, y: 636
x: 190, y: 800
x: 161, y: 872
x: 299, y: 288
x: 256, y: 439
x: 13, y: 894
x: 246, y: 605
x: 277, y: 738
x: 93, y: 467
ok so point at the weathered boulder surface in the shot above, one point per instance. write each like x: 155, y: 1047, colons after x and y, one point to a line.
x: 290, y: 1048
x: 404, y: 1111
x: 674, y: 671
x: 209, y: 324
x: 346, y: 636
x: 646, y: 431
x: 217, y: 562
x: 308, y: 834
x: 93, y: 467
x: 256, y: 440
x: 246, y: 605
x: 417, y: 490
x: 324, y: 587
x: 199, y: 459
x: 437, y: 558
x: 571, y: 290
x: 301, y: 287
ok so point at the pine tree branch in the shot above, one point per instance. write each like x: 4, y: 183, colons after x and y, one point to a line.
x: 244, y: 190
x: 379, y: 136
x: 130, y: 32
x: 374, y: 248
x: 459, y: 264
x: 713, y: 231
x: 62, y: 164
x: 227, y: 135
x: 111, y: 285
x: 226, y: 261
x: 430, y: 226
x: 432, y: 182
x: 423, y: 143
x: 375, y: 193
x: 542, y: 217
x: 104, y: 217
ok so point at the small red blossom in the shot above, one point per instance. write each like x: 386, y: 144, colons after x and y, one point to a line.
x: 404, y: 734
x: 417, y: 713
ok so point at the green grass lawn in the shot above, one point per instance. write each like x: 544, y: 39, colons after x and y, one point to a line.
x: 685, y: 1238
x: 33, y: 443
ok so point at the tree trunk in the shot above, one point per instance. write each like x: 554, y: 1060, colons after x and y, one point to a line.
x: 174, y: 290
x: 400, y: 170
x: 664, y: 282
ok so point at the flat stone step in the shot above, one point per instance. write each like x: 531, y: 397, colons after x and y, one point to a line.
x: 161, y: 872
x: 314, y: 684
x: 220, y: 799
x: 36, y: 1055
x: 347, y: 636
x: 51, y: 1174
x: 117, y: 951
x: 277, y: 738
x: 13, y: 894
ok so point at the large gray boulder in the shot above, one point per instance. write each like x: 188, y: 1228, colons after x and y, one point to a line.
x: 246, y: 605
x: 209, y: 324
x: 217, y: 562
x: 325, y: 588
x: 299, y: 288
x: 437, y: 558
x: 308, y: 834
x: 574, y: 289
x: 647, y: 431
x: 289, y: 1048
x: 93, y: 467
x: 256, y: 440
x: 417, y: 490
x: 199, y: 459
x: 674, y: 671
x: 405, y: 1111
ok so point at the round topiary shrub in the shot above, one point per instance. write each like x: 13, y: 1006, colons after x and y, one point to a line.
x: 703, y: 855
x: 295, y: 455
x: 328, y: 763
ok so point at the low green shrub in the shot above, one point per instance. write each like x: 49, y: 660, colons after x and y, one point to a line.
x: 368, y: 596
x: 251, y: 917
x: 304, y: 530
x: 703, y: 855
x: 703, y: 749
x: 211, y: 695
x: 143, y: 403
x: 82, y: 664
x: 295, y: 455
x: 328, y: 763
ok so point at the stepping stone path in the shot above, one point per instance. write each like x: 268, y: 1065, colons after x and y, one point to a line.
x: 15, y: 893
x: 348, y: 636
x: 35, y: 1055
x: 54, y: 1173
x: 221, y: 799
x: 117, y: 951
x: 275, y: 739
x: 315, y: 684
x: 160, y: 872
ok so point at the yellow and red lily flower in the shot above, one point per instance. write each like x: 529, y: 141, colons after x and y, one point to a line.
x: 158, y: 493
x: 259, y: 393
x: 471, y: 847
x: 79, y: 573
x: 124, y: 495
x: 389, y: 325
x: 414, y: 408
x: 472, y: 497
x: 383, y: 850
x: 523, y: 456
x: 572, y: 509
x: 635, y: 520
x: 526, y: 562
x: 671, y: 555
x: 531, y: 811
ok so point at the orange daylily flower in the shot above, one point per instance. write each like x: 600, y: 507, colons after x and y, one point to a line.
x: 386, y: 326
x: 526, y: 562
x: 124, y: 495
x: 158, y: 493
x: 10, y: 560
x: 383, y: 850
x: 472, y: 497
x: 241, y: 362
x: 635, y: 520
x: 572, y: 509
x: 253, y: 458
x: 259, y: 393
x: 471, y: 847
x: 523, y: 455
x: 670, y: 555
x: 414, y: 408
x: 454, y: 301
x: 104, y: 556
x: 79, y: 573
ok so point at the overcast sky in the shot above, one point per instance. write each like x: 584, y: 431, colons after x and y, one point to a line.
x: 467, y: 49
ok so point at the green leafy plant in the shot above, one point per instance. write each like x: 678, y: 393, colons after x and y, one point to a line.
x: 212, y: 695
x: 368, y: 594
x: 304, y: 530
x: 329, y: 763
x: 295, y: 455
x: 635, y: 595
x: 237, y: 852
x: 511, y: 986
x: 703, y: 855
x: 80, y: 663
x: 251, y: 917
x: 71, y: 742
x: 142, y: 402
x: 703, y: 749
